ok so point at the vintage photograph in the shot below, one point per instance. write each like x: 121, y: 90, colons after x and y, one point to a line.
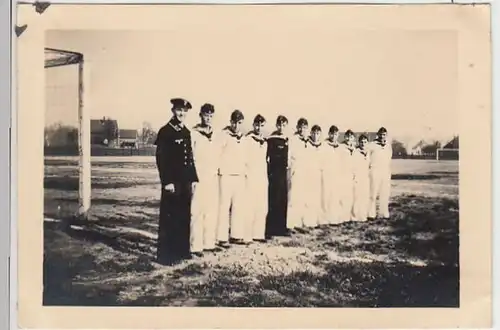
x: 201, y: 169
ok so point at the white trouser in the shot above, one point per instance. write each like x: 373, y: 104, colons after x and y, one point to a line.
x: 331, y: 198
x: 297, y: 196
x: 380, y: 187
x: 256, y: 199
x: 313, y: 197
x: 347, y: 197
x: 231, y: 207
x: 361, y: 198
x: 204, y: 211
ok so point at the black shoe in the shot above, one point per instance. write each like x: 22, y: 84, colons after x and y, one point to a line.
x: 168, y: 260
x: 238, y: 241
x: 260, y: 240
x: 224, y: 245
x: 215, y: 249
x: 301, y: 230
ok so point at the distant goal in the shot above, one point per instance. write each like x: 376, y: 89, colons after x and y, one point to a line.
x: 75, y: 79
x: 447, y: 154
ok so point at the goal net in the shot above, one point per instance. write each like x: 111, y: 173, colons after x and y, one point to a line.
x: 447, y: 154
x: 67, y: 126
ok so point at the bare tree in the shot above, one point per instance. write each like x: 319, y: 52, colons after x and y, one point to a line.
x: 148, y: 135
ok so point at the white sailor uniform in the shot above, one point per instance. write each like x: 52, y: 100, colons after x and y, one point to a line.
x: 232, y: 171
x: 205, y: 203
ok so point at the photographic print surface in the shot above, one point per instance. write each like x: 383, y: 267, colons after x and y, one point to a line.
x: 300, y: 230
x: 285, y: 156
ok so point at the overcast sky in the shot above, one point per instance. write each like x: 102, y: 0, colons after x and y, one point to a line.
x: 403, y: 80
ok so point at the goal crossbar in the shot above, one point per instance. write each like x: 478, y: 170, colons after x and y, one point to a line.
x: 57, y: 58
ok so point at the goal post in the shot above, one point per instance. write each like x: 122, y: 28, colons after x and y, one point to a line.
x: 447, y: 154
x: 58, y: 58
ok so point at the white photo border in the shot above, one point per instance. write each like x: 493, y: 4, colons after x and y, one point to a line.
x: 8, y: 140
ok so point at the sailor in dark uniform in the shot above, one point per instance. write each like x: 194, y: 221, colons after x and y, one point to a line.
x: 174, y: 159
x: 277, y: 160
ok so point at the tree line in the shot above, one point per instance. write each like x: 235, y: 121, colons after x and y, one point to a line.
x: 59, y: 134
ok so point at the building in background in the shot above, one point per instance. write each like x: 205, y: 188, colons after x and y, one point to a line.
x: 416, y: 150
x: 452, y: 144
x: 128, y: 138
x: 104, y: 132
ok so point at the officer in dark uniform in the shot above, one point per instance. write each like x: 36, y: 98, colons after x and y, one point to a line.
x: 174, y: 159
x: 277, y: 160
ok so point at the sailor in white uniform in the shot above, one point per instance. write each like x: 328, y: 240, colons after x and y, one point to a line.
x: 331, y: 178
x: 380, y: 175
x: 204, y: 207
x: 361, y: 180
x: 346, y: 178
x: 314, y: 189
x: 298, y: 176
x: 232, y: 172
x: 256, y: 182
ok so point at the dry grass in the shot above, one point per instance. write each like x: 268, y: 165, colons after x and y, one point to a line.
x: 409, y: 260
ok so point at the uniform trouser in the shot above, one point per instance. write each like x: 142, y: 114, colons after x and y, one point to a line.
x: 173, y: 227
x: 300, y: 188
x: 276, y: 222
x: 257, y: 205
x: 347, y: 198
x: 361, y: 198
x: 231, y: 207
x: 204, y: 211
x: 331, y: 199
x: 314, y: 197
x: 380, y: 187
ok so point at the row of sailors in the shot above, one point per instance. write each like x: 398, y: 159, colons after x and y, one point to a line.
x: 249, y: 188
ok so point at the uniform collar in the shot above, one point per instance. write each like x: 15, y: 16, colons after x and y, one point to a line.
x: 205, y: 131
x: 377, y: 141
x: 364, y: 152
x: 277, y: 134
x: 330, y: 143
x: 314, y: 144
x: 176, y: 124
x: 256, y: 137
x: 350, y: 148
x: 228, y: 130
x: 302, y: 138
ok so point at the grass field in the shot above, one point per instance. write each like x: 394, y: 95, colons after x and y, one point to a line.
x: 409, y: 260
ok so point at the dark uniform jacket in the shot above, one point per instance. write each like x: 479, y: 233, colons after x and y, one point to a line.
x: 174, y: 154
x: 277, y: 150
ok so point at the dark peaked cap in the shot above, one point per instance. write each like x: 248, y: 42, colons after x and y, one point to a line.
x: 237, y: 115
x: 207, y: 108
x: 382, y: 130
x: 180, y: 103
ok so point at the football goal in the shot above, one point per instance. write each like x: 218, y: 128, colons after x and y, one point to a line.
x: 447, y: 154
x: 67, y: 97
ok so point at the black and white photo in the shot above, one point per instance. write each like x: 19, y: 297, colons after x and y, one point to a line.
x: 221, y: 160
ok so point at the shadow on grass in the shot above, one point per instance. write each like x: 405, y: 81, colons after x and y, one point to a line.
x: 415, y: 177
x: 67, y: 260
x: 70, y: 183
x: 420, y: 228
x: 354, y: 284
x: 150, y: 203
